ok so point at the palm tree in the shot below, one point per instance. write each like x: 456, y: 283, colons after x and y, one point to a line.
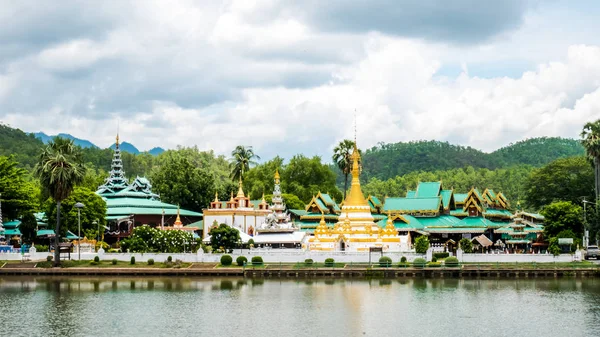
x: 242, y: 158
x: 342, y: 158
x: 591, y: 143
x: 59, y: 168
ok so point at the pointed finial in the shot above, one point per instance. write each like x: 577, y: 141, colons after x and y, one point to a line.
x: 216, y: 196
x: 355, y: 127
x: 277, y: 174
x: 263, y: 197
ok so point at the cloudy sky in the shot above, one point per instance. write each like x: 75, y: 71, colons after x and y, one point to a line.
x: 287, y: 76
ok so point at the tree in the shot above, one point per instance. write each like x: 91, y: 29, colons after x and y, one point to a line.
x: 567, y: 179
x: 591, y: 143
x: 17, y: 194
x: 466, y: 245
x: 59, y: 168
x: 179, y: 181
x: 291, y: 201
x: 242, y: 158
x: 224, y: 237
x: 421, y: 244
x: 28, y: 227
x: 342, y: 158
x: 560, y: 216
x: 306, y: 177
x: 94, y: 210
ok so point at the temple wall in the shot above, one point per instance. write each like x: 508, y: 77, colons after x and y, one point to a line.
x: 239, y: 221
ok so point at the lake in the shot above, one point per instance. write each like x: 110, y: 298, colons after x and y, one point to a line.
x: 92, y: 306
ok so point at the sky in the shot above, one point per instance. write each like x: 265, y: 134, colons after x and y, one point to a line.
x: 289, y: 77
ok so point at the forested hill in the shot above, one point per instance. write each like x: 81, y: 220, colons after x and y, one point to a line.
x: 390, y: 160
x: 25, y: 147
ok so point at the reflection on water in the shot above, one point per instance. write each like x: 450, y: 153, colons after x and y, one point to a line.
x: 255, y: 307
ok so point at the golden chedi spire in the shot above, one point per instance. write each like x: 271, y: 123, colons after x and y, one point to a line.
x: 355, y: 197
x: 277, y: 178
x: 178, y: 222
x: 217, y: 196
x: 240, y: 193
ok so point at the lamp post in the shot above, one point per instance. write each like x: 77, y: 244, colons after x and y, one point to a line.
x: 79, y: 206
x: 98, y: 234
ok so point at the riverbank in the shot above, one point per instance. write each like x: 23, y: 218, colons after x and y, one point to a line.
x: 280, y: 270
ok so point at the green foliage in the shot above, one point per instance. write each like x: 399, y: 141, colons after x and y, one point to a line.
x: 421, y: 244
x: 150, y: 262
x: 94, y: 263
x: 114, y: 262
x: 224, y: 236
x: 41, y: 248
x: 28, y: 227
x: 291, y: 201
x: 451, y: 262
x: 257, y: 260
x: 386, y: 161
x: 434, y: 264
x: 49, y: 258
x: 560, y: 216
x: 180, y: 181
x: 577, y: 242
x: 147, y: 239
x: 553, y: 247
x: 342, y: 158
x: 132, y: 261
x: 226, y: 260
x: 96, y: 259
x: 385, y: 261
x: 169, y: 258
x: 309, y: 262
x: 567, y: 179
x: 18, y: 195
x: 240, y: 260
x: 242, y: 157
x: 591, y: 142
x: 94, y: 210
x: 434, y: 259
x: 419, y: 262
x: 466, y: 245
x: 440, y: 255
x: 403, y: 259
x: 329, y: 262
x: 25, y: 147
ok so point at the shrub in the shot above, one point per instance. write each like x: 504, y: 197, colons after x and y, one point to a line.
x: 466, y: 245
x: 113, y: 250
x: 96, y: 259
x: 150, y: 262
x: 114, y: 261
x: 441, y: 255
x: 49, y: 258
x: 309, y: 262
x: 94, y: 263
x: 132, y: 261
x: 385, y: 262
x: 241, y: 260
x: 170, y: 259
x: 434, y: 264
x: 434, y: 259
x: 329, y: 262
x: 257, y: 261
x: 421, y: 245
x: 403, y: 259
x: 451, y: 262
x: 41, y: 248
x: 419, y: 262
x: 226, y: 260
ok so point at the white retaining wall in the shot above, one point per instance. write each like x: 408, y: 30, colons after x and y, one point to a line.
x: 514, y: 258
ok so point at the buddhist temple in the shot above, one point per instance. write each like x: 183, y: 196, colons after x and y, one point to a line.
x: 238, y: 212
x: 129, y: 205
x: 355, y: 229
x: 278, y: 231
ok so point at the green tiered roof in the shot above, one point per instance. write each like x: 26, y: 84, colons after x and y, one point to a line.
x: 428, y: 189
x: 429, y: 204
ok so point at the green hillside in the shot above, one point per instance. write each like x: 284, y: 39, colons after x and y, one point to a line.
x: 387, y: 161
x: 25, y: 147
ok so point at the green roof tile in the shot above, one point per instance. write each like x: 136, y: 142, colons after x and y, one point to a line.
x: 446, y: 196
x: 412, y: 204
x: 428, y: 189
x: 460, y: 197
x: 411, y: 194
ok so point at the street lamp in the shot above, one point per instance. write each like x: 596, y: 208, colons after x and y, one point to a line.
x: 95, y: 222
x: 79, y: 206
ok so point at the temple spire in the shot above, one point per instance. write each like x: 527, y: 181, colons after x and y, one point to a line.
x: 240, y: 193
x: 355, y: 197
x: 178, y: 222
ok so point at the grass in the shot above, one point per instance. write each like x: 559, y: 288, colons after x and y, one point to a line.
x: 532, y: 265
x: 108, y: 264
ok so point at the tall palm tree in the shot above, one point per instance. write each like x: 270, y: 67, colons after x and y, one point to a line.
x: 242, y: 158
x: 342, y: 158
x: 59, y: 168
x: 591, y: 143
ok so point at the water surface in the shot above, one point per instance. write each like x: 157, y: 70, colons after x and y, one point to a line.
x: 43, y: 306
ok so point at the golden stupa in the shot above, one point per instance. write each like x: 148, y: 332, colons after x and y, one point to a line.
x: 356, y: 230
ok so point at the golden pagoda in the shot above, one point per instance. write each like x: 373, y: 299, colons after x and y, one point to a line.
x: 356, y: 229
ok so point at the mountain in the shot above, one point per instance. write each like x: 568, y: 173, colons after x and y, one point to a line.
x: 156, y: 151
x: 80, y: 142
x: 25, y: 147
x: 126, y: 147
x: 389, y: 160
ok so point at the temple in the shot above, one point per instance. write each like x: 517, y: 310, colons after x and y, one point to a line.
x: 356, y: 229
x: 278, y: 231
x: 238, y: 212
x: 133, y: 204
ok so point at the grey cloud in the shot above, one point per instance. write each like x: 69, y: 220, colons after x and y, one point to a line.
x: 459, y: 21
